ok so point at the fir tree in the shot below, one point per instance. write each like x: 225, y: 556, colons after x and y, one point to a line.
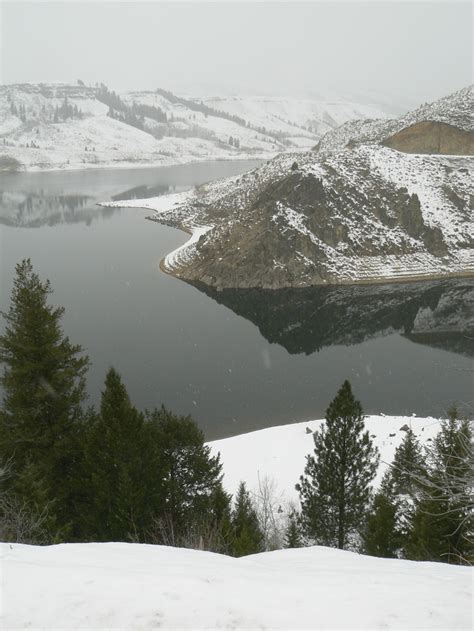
x: 443, y: 522
x: 382, y: 536
x: 189, y: 474
x: 334, y: 490
x: 115, y: 465
x: 293, y: 532
x: 44, y: 387
x: 408, y: 465
x: 247, y: 538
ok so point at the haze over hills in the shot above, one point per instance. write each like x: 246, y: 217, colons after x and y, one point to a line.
x: 357, y: 211
x: 58, y: 126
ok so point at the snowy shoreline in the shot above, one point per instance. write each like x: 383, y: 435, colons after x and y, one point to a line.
x: 154, y: 164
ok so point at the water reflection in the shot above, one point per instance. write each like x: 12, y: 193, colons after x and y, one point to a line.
x: 437, y: 314
x: 43, y: 208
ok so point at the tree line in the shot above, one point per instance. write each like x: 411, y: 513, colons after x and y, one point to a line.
x: 74, y: 473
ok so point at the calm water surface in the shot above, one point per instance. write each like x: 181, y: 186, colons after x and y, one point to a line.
x: 235, y: 360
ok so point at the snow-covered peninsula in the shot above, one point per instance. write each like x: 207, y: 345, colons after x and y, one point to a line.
x: 365, y: 213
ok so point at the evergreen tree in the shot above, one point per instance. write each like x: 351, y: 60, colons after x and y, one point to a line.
x: 218, y: 524
x: 408, y: 465
x: 382, y: 536
x: 443, y: 522
x: 115, y: 460
x: 293, y: 532
x: 334, y: 490
x: 247, y: 538
x: 189, y: 474
x: 44, y: 386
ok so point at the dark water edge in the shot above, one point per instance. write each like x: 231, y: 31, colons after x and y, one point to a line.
x: 237, y: 360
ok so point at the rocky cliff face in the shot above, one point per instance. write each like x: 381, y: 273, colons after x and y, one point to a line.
x: 432, y: 137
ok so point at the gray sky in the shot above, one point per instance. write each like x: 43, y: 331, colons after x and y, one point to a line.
x: 409, y: 52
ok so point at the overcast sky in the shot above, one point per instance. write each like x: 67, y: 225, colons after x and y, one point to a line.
x: 407, y: 51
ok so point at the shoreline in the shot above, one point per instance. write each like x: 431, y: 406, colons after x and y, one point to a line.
x: 141, y: 165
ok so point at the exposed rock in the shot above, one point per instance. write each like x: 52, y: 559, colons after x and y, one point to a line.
x: 432, y: 137
x: 454, y: 110
x: 404, y: 428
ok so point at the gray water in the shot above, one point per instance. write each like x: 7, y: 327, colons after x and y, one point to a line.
x: 234, y: 360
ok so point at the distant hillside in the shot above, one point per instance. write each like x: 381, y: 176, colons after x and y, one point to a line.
x: 59, y: 126
x: 454, y: 110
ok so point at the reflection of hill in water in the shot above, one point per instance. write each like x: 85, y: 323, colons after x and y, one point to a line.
x: 32, y: 210
x: 143, y: 191
x: 439, y: 314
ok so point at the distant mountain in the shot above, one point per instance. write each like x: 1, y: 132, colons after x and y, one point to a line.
x: 59, y: 126
x: 363, y: 213
x: 449, y: 116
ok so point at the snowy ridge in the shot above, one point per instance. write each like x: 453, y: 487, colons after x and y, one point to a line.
x: 133, y: 586
x: 454, y: 109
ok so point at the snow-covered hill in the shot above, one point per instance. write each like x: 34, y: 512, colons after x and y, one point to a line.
x: 132, y: 586
x: 279, y: 453
x: 366, y: 215
x: 58, y: 126
x: 454, y: 109
x: 295, y: 117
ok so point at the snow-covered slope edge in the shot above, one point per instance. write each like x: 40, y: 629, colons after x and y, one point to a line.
x: 125, y: 586
x: 279, y: 453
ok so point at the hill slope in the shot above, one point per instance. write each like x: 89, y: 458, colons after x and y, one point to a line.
x: 57, y: 126
x: 454, y: 110
x: 125, y: 586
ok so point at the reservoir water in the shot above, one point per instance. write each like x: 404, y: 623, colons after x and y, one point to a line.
x: 234, y: 360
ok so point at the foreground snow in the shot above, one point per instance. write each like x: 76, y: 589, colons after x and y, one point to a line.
x: 125, y: 586
x: 279, y: 453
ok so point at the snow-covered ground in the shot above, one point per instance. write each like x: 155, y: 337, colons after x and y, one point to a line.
x: 279, y: 453
x: 132, y: 586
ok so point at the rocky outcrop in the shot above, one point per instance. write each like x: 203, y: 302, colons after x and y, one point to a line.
x: 367, y: 215
x: 454, y: 110
x: 432, y: 137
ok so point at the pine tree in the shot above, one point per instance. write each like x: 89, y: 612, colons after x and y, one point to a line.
x: 382, y: 537
x: 117, y: 489
x: 408, y: 465
x: 293, y: 532
x: 189, y: 474
x: 44, y: 387
x: 443, y: 522
x: 247, y: 537
x: 218, y: 523
x: 334, y: 490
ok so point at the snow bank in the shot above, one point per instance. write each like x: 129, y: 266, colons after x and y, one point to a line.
x: 279, y: 453
x: 125, y: 586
